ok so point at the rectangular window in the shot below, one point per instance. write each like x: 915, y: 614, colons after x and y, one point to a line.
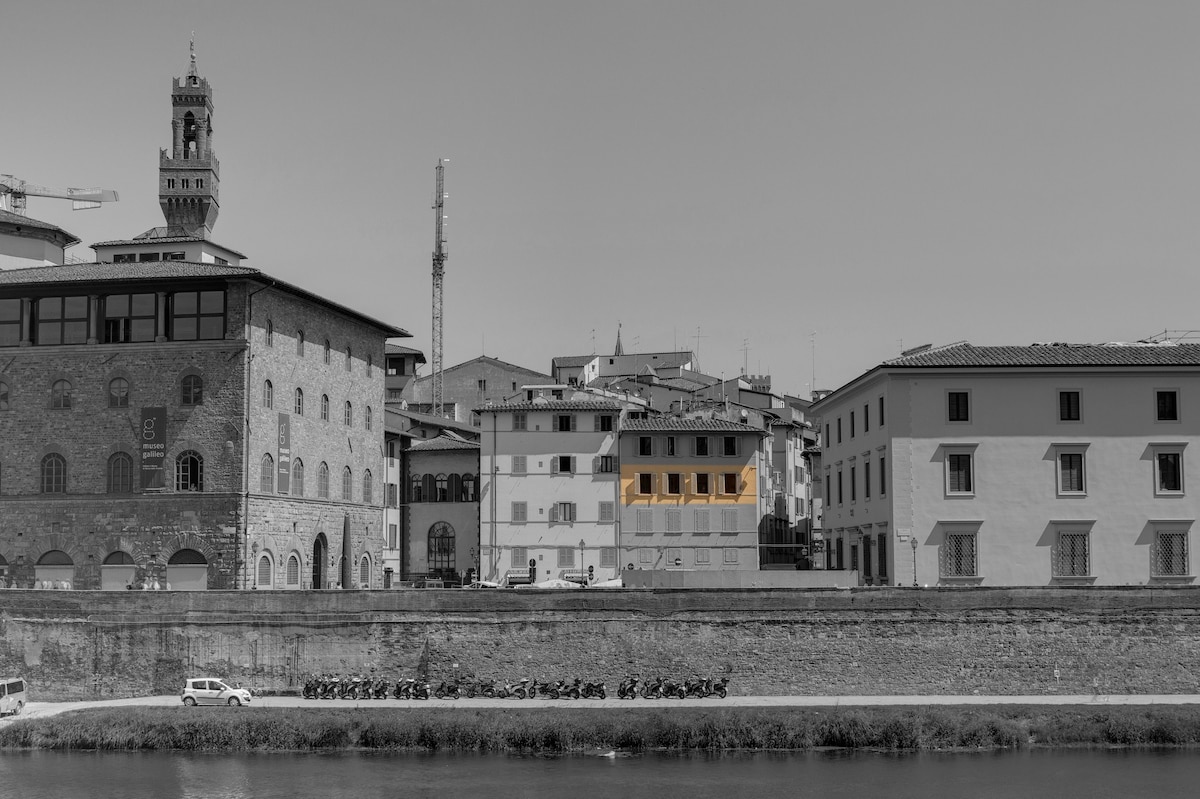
x: 520, y: 512
x: 197, y: 315
x: 866, y: 418
x: 645, y: 555
x: 607, y: 512
x: 1070, y: 473
x: 1166, y: 405
x: 840, y: 495
x: 701, y: 446
x: 701, y: 521
x: 731, y: 483
x: 866, y: 479
x: 567, y: 512
x: 566, y: 557
x: 520, y: 421
x: 881, y: 546
x: 520, y: 557
x: 827, y: 440
x: 674, y: 483
x: 482, y: 384
x: 604, y: 423
x: 1168, y: 467
x: 702, y: 556
x: 729, y: 447
x: 729, y: 520
x: 1170, y: 553
x: 393, y: 495
x: 882, y: 476
x: 731, y: 555
x: 61, y: 320
x: 958, y: 406
x: 852, y: 424
x: 645, y: 483
x: 1071, y: 555
x: 10, y: 322
x: 853, y: 483
x: 564, y: 422
x: 564, y: 464
x: 881, y: 411
x: 518, y: 464
x: 605, y: 464
x: 671, y: 446
x: 959, y: 479
x: 393, y: 536
x: 702, y: 483
x: 645, y: 446
x: 130, y: 317
x: 839, y: 429
x: 1068, y: 406
x: 645, y: 520
x: 608, y: 557
x: 959, y: 555
x: 674, y: 520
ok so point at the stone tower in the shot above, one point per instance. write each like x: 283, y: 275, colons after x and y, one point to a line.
x: 188, y: 174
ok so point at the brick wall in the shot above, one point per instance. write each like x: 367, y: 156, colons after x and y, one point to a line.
x: 832, y: 642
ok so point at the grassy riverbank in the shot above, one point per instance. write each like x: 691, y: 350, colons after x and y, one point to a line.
x: 551, y: 731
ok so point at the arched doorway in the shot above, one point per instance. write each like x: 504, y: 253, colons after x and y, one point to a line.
x: 54, y: 569
x: 320, y: 554
x: 441, y: 551
x: 116, y: 573
x: 187, y: 570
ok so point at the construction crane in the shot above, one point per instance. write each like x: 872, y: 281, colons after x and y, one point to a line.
x: 14, y: 191
x: 439, y: 262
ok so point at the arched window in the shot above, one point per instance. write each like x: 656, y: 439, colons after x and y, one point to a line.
x: 118, y: 393
x: 120, y: 473
x: 370, y: 364
x: 441, y: 491
x: 270, y: 333
x: 364, y: 572
x: 298, y: 405
x: 300, y: 343
x: 54, y: 474
x: 441, y: 548
x: 349, y: 359
x: 297, y: 477
x: 60, y: 394
x: 266, y: 474
x: 454, y: 488
x: 4, y: 401
x: 293, y: 570
x: 349, y: 414
x: 192, y: 387
x: 324, y: 407
x: 347, y: 485
x: 368, y: 487
x: 323, y: 480
x: 263, y: 578
x: 328, y: 350
x: 368, y: 419
x: 415, y: 492
x: 189, y: 471
x: 427, y: 484
x: 268, y: 394
x: 468, y: 488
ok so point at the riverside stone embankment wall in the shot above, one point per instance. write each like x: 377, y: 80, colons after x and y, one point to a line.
x: 76, y: 644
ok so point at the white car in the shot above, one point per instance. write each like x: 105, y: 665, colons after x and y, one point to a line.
x: 211, y: 691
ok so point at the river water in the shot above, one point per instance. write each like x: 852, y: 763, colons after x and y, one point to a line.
x: 133, y: 775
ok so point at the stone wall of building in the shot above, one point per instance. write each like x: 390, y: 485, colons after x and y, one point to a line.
x: 820, y: 642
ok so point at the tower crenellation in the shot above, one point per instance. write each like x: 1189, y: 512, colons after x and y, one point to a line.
x: 189, y: 173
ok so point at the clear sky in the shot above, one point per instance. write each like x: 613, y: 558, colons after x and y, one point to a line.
x: 755, y: 180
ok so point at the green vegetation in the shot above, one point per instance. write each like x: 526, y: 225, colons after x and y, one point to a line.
x: 550, y: 730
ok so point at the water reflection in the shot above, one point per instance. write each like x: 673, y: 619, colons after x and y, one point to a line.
x: 829, y: 775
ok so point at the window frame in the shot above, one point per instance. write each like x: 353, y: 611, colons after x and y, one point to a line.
x: 1176, y: 405
x: 1062, y: 451
x: 1175, y: 451
x: 952, y: 454
x: 1183, y: 532
x: 116, y: 400
x: 1064, y: 412
x: 957, y: 536
x: 956, y: 414
x: 1065, y: 554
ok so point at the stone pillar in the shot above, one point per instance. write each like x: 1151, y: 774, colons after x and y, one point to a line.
x: 202, y: 138
x: 177, y: 139
x: 26, y: 321
x: 160, y: 325
x: 93, y: 319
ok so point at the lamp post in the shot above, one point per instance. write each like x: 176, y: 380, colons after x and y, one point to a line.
x: 913, y: 542
x: 582, y: 571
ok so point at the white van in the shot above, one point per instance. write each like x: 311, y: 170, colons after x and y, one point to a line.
x: 12, y: 696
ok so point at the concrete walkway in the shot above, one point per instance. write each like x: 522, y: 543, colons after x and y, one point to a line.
x: 43, y: 709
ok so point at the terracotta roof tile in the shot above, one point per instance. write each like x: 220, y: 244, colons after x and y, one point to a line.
x: 964, y: 355
x: 671, y: 423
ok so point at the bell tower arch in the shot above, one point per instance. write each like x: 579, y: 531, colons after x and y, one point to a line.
x: 188, y: 173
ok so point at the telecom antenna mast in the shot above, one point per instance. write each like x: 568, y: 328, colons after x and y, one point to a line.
x: 439, y: 263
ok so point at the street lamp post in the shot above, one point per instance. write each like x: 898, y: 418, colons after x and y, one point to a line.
x: 582, y: 570
x: 913, y: 542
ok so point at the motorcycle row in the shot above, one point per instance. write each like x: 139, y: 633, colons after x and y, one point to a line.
x: 363, y: 687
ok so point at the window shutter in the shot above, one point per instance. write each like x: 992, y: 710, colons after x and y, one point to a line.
x: 554, y: 421
x: 596, y: 464
x: 573, y: 464
x: 574, y: 423
x: 596, y: 423
x: 554, y: 464
x: 553, y: 513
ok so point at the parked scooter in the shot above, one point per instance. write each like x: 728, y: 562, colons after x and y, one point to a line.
x: 594, y: 690
x: 629, y: 688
